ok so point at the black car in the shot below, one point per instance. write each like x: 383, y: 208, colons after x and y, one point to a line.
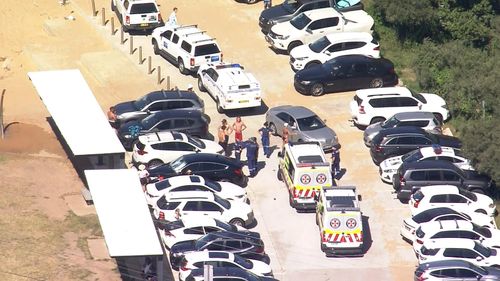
x: 244, y: 245
x: 411, y: 176
x: 227, y: 273
x: 345, y: 73
x: 211, y: 166
x: 190, y: 122
x: 400, y: 140
x: 290, y: 8
x: 458, y: 270
x: 152, y: 103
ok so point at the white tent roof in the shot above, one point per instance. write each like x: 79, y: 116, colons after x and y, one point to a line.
x: 123, y: 213
x: 76, y: 112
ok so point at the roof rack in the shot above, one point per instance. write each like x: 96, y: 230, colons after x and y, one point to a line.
x: 185, y: 26
x: 203, y: 40
x: 195, y: 32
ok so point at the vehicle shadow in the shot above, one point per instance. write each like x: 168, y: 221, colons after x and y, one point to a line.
x: 367, y: 235
x: 262, y: 109
x: 252, y: 225
x: 278, y: 52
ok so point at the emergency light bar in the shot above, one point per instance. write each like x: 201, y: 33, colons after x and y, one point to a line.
x: 222, y: 66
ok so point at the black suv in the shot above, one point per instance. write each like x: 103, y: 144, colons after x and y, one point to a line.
x: 233, y: 242
x: 227, y: 273
x: 400, y: 140
x: 211, y: 166
x: 290, y: 8
x: 152, y: 103
x: 411, y: 176
x: 190, y: 122
x: 345, y: 73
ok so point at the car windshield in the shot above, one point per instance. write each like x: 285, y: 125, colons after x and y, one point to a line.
x: 412, y: 156
x: 430, y: 214
x: 468, y: 194
x: 141, y: 102
x: 148, y: 122
x: 225, y: 226
x: 310, y: 123
x: 196, y: 142
x: 291, y: 6
x: 213, y: 185
x: 300, y: 21
x: 178, y: 164
x: 243, y: 262
x: 485, y: 252
x: 320, y: 44
x: 223, y: 202
x: 418, y: 96
x: 484, y: 231
x: 390, y: 123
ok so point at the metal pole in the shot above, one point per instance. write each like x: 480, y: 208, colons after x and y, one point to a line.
x: 149, y: 65
x: 122, y: 35
x: 484, y: 110
x: 159, y: 75
x: 131, y: 44
x: 140, y: 54
x: 103, y: 18
x: 2, y: 129
x: 94, y: 12
x: 112, y: 26
x: 168, y: 82
x: 208, y: 272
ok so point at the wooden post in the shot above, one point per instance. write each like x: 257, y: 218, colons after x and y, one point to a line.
x: 94, y: 12
x: 149, y: 64
x: 2, y: 129
x: 131, y: 44
x: 168, y: 82
x: 112, y: 26
x: 122, y: 35
x: 140, y: 54
x: 159, y: 75
x: 103, y: 17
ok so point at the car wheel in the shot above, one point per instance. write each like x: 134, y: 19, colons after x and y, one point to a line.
x: 478, y: 190
x: 219, y: 107
x: 238, y: 222
x: 317, y: 90
x: 279, y: 175
x: 200, y: 85
x: 377, y: 120
x: 312, y: 64
x: 182, y: 68
x: 154, y: 163
x: 439, y: 117
x: 293, y: 45
x: 376, y: 83
x: 156, y: 50
x: 273, y: 129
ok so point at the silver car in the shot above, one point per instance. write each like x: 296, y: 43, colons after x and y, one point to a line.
x: 455, y: 270
x: 303, y: 125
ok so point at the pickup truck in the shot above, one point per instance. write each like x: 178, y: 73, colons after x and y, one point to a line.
x: 311, y: 25
x: 137, y: 14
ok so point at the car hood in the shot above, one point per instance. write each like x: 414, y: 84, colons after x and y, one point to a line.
x: 163, y: 171
x: 433, y: 99
x: 125, y: 107
x: 313, y: 73
x: 125, y: 128
x: 183, y: 247
x: 301, y: 51
x: 324, y: 133
x: 282, y: 28
x: 391, y: 163
x: 240, y: 207
x: 273, y: 12
x: 233, y: 193
x: 449, y: 141
x: 373, y: 129
x: 211, y: 146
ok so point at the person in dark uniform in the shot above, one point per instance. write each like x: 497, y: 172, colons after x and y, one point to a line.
x: 238, y: 147
x: 336, y: 160
x: 252, y: 150
x: 264, y: 133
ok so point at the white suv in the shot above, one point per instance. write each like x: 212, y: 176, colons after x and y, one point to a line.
x: 371, y: 106
x: 186, y: 46
x: 333, y: 45
x: 157, y: 148
x: 311, y: 25
x: 173, y: 206
x: 137, y: 14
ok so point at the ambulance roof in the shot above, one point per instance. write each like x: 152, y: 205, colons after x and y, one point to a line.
x: 341, y: 198
x: 307, y: 153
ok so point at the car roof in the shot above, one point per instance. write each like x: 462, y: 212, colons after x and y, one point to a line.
x: 210, y: 157
x: 192, y: 33
x: 444, y: 225
x: 357, y: 58
x: 349, y: 36
x: 295, y: 111
x: 224, y: 272
x: 402, y: 130
x: 449, y: 243
x: 410, y: 115
x: 437, y: 150
x: 232, y: 235
x: 162, y: 136
x: 163, y: 114
x: 190, y: 221
x: 383, y: 92
x: 439, y: 189
x: 172, y: 95
x: 431, y: 164
x: 185, y: 180
x: 446, y: 263
x: 183, y: 195
x: 205, y: 255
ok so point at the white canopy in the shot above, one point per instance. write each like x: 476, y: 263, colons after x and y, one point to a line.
x: 123, y: 213
x: 76, y: 112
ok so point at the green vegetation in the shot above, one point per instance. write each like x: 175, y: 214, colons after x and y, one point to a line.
x: 452, y: 48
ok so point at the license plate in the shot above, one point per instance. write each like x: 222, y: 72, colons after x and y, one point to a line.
x: 214, y: 58
x: 243, y: 101
x: 144, y: 24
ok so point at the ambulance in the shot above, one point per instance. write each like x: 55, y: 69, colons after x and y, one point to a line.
x: 304, y: 169
x: 339, y: 219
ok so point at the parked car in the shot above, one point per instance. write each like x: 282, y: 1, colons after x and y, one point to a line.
x: 244, y: 246
x: 455, y: 270
x: 211, y: 166
x: 221, y: 259
x: 172, y: 206
x: 137, y: 15
x: 442, y: 214
x: 291, y: 8
x: 331, y: 46
x: 345, y: 73
x: 157, y: 148
x: 458, y: 249
x: 389, y: 167
x: 227, y: 273
x: 411, y: 176
x: 400, y: 140
x: 370, y: 106
x: 434, y: 196
x: 186, y: 121
x: 456, y: 229
x: 303, y: 125
x: 422, y: 119
x: 154, y: 102
x: 193, y: 227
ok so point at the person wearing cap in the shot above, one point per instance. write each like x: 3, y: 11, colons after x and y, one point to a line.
x: 190, y: 88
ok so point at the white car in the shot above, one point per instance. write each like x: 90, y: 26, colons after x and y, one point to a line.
x: 389, y: 167
x: 411, y: 224
x: 157, y: 148
x: 230, y: 86
x: 194, y: 260
x: 434, y: 196
x: 226, y: 190
x: 176, y: 205
x: 375, y: 105
x: 331, y: 46
x: 457, y: 248
x: 311, y: 25
x: 137, y: 14
x: 193, y: 227
x: 456, y: 229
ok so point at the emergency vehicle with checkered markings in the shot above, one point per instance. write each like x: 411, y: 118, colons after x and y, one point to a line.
x: 339, y: 218
x: 304, y: 169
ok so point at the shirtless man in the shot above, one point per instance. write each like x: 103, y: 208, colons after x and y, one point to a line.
x: 238, y: 127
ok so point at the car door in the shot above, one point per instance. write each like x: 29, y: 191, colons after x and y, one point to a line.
x: 356, y: 76
x: 404, y: 144
x: 181, y: 125
x: 438, y: 200
x: 211, y: 209
x: 408, y: 104
x: 332, y: 51
x: 192, y: 208
x: 155, y: 107
x: 164, y: 125
x: 452, y: 178
x: 233, y: 246
x: 210, y: 78
x: 193, y: 168
x: 166, y: 40
x: 294, y: 133
x: 420, y: 141
x: 165, y: 151
x: 433, y: 177
x: 216, y: 171
x: 321, y: 27
x: 456, y: 201
x: 184, y: 148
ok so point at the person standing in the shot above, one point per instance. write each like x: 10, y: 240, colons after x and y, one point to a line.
x: 284, y: 135
x: 238, y: 127
x: 264, y: 134
x: 238, y: 147
x: 336, y: 160
x: 223, y: 133
x: 172, y: 19
x: 252, y: 150
x: 190, y: 88
x: 267, y: 4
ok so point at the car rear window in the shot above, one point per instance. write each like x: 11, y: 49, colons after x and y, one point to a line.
x: 207, y: 49
x: 144, y: 8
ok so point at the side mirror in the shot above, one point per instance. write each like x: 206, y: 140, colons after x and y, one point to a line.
x: 327, y: 53
x: 148, y: 111
x: 309, y: 31
x: 479, y: 258
x: 197, y: 151
x: 360, y: 198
